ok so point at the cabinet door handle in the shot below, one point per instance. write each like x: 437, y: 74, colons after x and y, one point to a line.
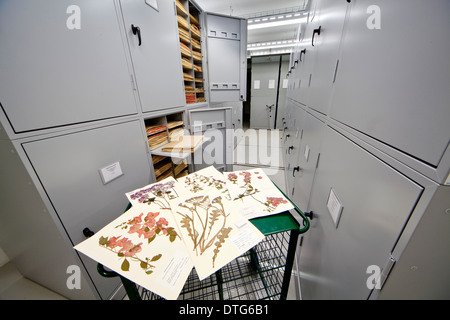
x: 137, y: 30
x: 290, y: 148
x: 302, y: 53
x: 88, y: 233
x: 286, y: 137
x: 297, y: 168
x: 316, y: 31
x: 310, y: 215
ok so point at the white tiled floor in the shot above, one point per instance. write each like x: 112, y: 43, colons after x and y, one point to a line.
x: 258, y: 148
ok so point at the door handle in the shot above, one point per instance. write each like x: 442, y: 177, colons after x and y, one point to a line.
x: 316, y: 31
x: 88, y: 233
x: 310, y: 215
x: 302, y: 53
x: 270, y: 107
x: 137, y: 30
x: 290, y: 148
x: 297, y: 168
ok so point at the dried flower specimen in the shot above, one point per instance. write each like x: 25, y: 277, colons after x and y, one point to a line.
x: 143, y: 245
x: 201, y: 219
x: 210, y: 225
x: 256, y: 192
x: 157, y: 193
x: 125, y: 248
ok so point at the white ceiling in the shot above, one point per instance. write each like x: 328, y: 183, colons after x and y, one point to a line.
x: 249, y: 8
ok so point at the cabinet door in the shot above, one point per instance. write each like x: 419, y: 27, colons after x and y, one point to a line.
x: 293, y: 146
x: 215, y: 124
x: 68, y: 168
x: 227, y: 57
x: 156, y: 56
x: 307, y: 160
x: 282, y: 94
x: 393, y: 75
x: 62, y: 64
x: 264, y: 92
x: 306, y: 64
x: 326, y: 38
x: 377, y: 201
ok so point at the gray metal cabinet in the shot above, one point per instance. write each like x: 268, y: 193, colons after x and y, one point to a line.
x: 264, y: 92
x: 155, y: 52
x: 62, y: 64
x: 68, y: 168
x: 227, y: 57
x: 392, y: 86
x: 326, y: 40
x: 282, y: 93
x: 293, y: 146
x: 371, y: 219
x: 307, y: 160
x: 216, y: 125
x: 306, y: 65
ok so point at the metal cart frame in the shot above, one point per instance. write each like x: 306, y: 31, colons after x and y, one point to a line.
x: 263, y: 272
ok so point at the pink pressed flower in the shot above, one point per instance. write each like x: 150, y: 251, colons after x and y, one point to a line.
x: 113, y: 242
x: 259, y: 177
x: 274, y: 201
x: 162, y: 222
x: 129, y: 249
x: 147, y: 233
x: 135, y: 220
x: 152, y: 215
x: 134, y: 228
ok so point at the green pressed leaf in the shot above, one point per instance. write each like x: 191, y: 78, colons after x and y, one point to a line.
x: 151, y: 238
x: 172, y: 237
x: 103, y: 241
x: 125, y: 265
x: 144, y: 265
x: 157, y: 257
x: 120, y: 254
x: 149, y: 272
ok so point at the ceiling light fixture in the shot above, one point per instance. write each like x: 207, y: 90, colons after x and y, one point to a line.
x: 271, y: 45
x: 274, y: 23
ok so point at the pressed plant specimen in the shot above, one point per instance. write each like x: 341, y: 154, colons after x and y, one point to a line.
x: 270, y: 203
x: 197, y: 182
x: 125, y: 248
x: 158, y: 193
x: 206, y: 223
x: 146, y: 227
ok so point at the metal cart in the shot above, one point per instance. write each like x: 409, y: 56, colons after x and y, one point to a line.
x: 263, y: 272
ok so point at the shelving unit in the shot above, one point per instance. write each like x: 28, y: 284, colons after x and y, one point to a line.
x: 191, y: 51
x: 160, y: 131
